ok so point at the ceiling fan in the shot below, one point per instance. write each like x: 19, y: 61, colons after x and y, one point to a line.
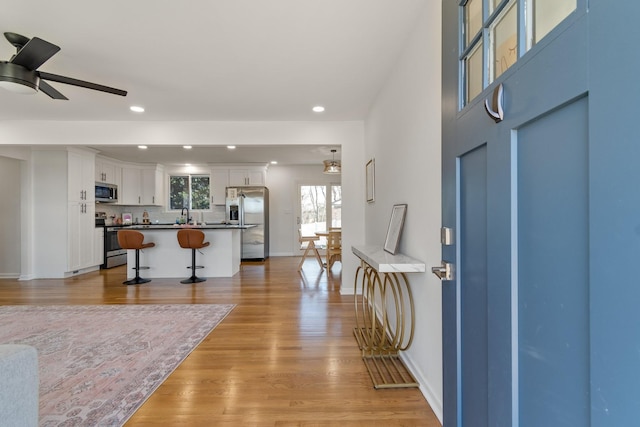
x: 19, y: 73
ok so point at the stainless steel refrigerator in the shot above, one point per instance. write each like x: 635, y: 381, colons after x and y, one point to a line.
x: 250, y: 206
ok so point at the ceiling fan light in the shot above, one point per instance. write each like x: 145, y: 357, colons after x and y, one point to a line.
x: 18, y: 87
x: 18, y: 79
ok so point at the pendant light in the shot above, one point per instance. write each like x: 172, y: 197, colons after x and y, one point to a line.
x: 332, y: 166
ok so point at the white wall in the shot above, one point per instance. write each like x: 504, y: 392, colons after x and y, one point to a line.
x: 10, y: 212
x: 402, y: 133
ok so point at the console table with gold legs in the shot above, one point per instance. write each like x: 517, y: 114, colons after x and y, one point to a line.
x: 385, y: 314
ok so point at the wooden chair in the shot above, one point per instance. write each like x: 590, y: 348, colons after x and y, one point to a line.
x: 132, y: 239
x: 334, y: 248
x: 311, y: 247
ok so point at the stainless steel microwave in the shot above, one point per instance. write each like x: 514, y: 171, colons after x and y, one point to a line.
x: 106, y: 193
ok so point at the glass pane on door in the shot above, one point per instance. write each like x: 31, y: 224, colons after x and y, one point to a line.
x: 336, y: 206
x: 472, y: 19
x: 473, y: 73
x: 549, y: 13
x: 504, y: 41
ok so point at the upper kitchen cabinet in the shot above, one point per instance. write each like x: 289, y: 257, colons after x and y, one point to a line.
x: 247, y: 176
x: 64, y: 211
x: 153, y: 186
x: 142, y: 185
x: 219, y: 184
x: 80, y: 183
x: 108, y: 172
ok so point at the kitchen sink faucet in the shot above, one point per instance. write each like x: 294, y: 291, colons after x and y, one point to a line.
x: 182, y: 213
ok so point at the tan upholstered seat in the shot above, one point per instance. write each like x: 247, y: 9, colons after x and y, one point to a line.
x: 134, y: 240
x: 192, y: 239
x: 311, y: 247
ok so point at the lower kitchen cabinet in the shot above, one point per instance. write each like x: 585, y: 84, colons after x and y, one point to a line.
x: 98, y: 246
x: 81, y: 226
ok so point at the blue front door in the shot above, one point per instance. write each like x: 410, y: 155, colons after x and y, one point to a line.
x: 541, y: 323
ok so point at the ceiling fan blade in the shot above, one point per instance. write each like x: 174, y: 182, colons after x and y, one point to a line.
x: 49, y: 90
x: 81, y: 83
x: 35, y: 53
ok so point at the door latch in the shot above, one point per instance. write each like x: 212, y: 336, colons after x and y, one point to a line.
x: 444, y: 271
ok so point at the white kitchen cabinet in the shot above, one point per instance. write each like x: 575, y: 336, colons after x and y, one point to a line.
x: 63, y: 226
x: 81, y: 209
x: 130, y: 193
x: 81, y: 244
x: 153, y: 186
x: 107, y: 172
x: 219, y: 184
x: 247, y: 176
x: 142, y: 185
x: 98, y: 246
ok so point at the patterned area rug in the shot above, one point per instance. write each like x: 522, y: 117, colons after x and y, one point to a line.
x: 99, y: 363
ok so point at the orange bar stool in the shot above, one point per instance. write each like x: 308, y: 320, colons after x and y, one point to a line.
x: 131, y: 239
x: 192, y: 239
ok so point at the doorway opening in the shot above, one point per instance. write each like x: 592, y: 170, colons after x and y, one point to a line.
x: 319, y: 208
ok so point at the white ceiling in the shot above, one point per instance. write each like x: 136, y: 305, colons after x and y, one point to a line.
x: 211, y: 60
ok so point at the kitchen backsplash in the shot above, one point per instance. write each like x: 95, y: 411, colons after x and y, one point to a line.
x: 157, y: 213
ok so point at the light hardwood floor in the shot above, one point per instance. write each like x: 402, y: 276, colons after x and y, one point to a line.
x: 285, y: 356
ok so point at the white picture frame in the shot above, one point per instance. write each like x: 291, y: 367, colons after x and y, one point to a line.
x: 396, y: 223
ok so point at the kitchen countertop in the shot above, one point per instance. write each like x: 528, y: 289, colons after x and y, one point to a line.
x: 181, y: 226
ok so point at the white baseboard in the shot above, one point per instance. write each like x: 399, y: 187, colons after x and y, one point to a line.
x: 81, y: 271
x: 425, y: 387
x: 9, y: 275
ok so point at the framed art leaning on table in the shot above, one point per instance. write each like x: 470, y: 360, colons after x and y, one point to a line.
x: 395, y: 228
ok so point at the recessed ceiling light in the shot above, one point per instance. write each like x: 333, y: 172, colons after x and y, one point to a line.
x: 274, y: 162
x: 186, y: 147
x: 231, y: 147
x: 136, y: 109
x: 318, y: 109
x: 142, y: 147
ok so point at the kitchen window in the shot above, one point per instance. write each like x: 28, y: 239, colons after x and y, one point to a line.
x: 189, y: 191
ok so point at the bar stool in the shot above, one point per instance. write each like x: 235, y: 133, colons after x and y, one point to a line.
x: 192, y: 239
x: 131, y: 239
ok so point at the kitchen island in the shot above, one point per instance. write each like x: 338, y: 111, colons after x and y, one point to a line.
x: 168, y: 260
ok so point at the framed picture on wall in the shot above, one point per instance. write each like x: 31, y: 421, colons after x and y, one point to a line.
x: 371, y: 178
x: 395, y: 228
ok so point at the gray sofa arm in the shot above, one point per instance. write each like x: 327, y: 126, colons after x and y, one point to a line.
x: 18, y: 385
